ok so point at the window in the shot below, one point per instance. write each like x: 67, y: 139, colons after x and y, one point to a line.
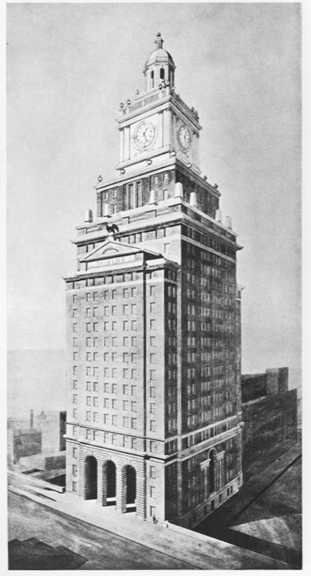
x: 75, y: 384
x: 106, y: 387
x: 113, y: 310
x: 95, y: 388
x: 134, y: 325
x: 113, y: 388
x: 114, y: 420
x: 113, y: 296
x: 133, y: 292
x: 152, y: 491
x: 125, y: 405
x: 134, y: 341
x: 125, y: 389
x: 106, y: 372
x: 88, y: 416
x: 95, y: 416
x: 133, y: 308
x: 74, y: 298
x: 95, y: 435
x: 134, y: 406
x: 74, y: 313
x: 114, y: 341
x: 125, y: 373
x: 134, y: 374
x: 133, y: 443
x: 152, y: 340
x: 106, y: 418
x: 88, y: 356
x: 125, y: 325
x: 125, y: 292
x: 88, y: 312
x: 152, y: 358
x: 75, y: 431
x: 152, y: 391
x: 114, y: 404
x: 95, y: 311
x: 152, y: 306
x: 106, y: 437
x: 88, y: 386
x: 106, y: 402
x: 152, y: 374
x: 113, y: 326
x: 125, y: 421
x: 152, y: 290
x: 153, y: 446
x: 74, y: 486
x: 133, y: 423
x: 125, y: 357
x: 152, y: 408
x: 74, y: 452
x: 125, y: 341
x: 75, y: 399
x: 133, y: 357
x: 125, y: 309
x: 88, y: 400
x: 106, y: 327
x: 133, y: 390
x: 152, y: 472
x: 95, y: 326
x: 152, y: 426
x: 88, y: 341
x: 75, y: 369
x: 152, y: 324
x: 75, y: 413
x: 75, y: 342
x: 95, y: 401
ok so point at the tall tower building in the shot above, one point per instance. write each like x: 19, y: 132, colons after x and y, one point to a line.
x: 153, y: 324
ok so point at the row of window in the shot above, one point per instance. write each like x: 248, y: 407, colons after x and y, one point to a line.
x: 126, y: 372
x: 210, y: 242
x: 114, y: 439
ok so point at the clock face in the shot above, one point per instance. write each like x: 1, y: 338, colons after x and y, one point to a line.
x: 184, y: 137
x: 144, y: 135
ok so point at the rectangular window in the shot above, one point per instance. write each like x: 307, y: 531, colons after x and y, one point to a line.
x: 125, y: 389
x: 125, y: 373
x: 134, y: 374
x: 74, y: 313
x: 113, y: 310
x: 134, y: 325
x: 75, y: 384
x: 134, y: 406
x: 88, y: 400
x: 114, y: 404
x: 133, y: 308
x: 106, y: 418
x: 133, y: 292
x: 95, y: 326
x: 114, y: 420
x: 134, y: 341
x: 152, y: 391
x: 152, y: 491
x: 88, y: 356
x: 75, y: 431
x: 152, y: 290
x: 74, y: 298
x: 106, y: 387
x: 125, y: 292
x: 152, y: 472
x: 125, y: 341
x: 133, y: 423
x: 152, y: 306
x: 152, y: 408
x: 133, y: 443
x: 75, y: 369
x: 75, y: 399
x: 113, y: 388
x: 125, y: 309
x: 152, y: 358
x: 88, y: 341
x: 106, y: 402
x: 113, y: 295
x: 125, y: 421
x: 114, y: 341
x: 95, y: 401
x: 152, y: 375
x: 133, y: 358
x: 133, y: 390
x: 125, y: 405
x: 152, y: 426
x: 74, y: 452
x: 125, y: 325
x: 88, y: 313
x: 75, y: 413
x: 74, y: 486
x: 152, y: 324
x: 153, y: 446
x: 88, y: 296
x: 95, y: 416
x: 88, y: 416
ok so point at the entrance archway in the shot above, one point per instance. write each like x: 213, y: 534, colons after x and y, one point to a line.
x: 212, y: 474
x: 90, y: 478
x: 111, y: 483
x: 130, y: 482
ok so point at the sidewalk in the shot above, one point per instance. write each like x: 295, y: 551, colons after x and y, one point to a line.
x: 199, y: 551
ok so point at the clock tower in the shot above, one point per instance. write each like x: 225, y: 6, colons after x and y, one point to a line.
x: 157, y: 124
x: 153, y: 324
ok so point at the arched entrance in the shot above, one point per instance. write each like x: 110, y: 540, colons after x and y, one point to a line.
x: 111, y: 483
x: 212, y: 469
x: 130, y: 483
x: 90, y: 478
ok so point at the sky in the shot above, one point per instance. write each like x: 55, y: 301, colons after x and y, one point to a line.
x: 68, y: 68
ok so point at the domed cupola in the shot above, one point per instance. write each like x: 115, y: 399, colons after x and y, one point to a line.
x: 160, y: 67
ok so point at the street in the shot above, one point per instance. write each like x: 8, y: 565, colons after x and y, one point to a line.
x: 102, y: 549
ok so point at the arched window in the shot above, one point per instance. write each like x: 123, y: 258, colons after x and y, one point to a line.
x: 152, y: 79
x: 162, y: 74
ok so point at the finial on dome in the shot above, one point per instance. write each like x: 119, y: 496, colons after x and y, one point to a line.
x: 159, y: 41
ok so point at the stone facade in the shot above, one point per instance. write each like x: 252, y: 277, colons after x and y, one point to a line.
x: 153, y: 324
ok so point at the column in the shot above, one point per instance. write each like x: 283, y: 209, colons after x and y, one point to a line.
x: 121, y: 490
x: 205, y: 469
x: 140, y: 497
x: 101, y: 483
x: 122, y: 145
x: 81, y: 476
x: 220, y: 471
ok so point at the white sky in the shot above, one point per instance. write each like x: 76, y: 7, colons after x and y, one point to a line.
x: 69, y: 67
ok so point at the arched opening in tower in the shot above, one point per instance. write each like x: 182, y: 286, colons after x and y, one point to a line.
x: 90, y: 478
